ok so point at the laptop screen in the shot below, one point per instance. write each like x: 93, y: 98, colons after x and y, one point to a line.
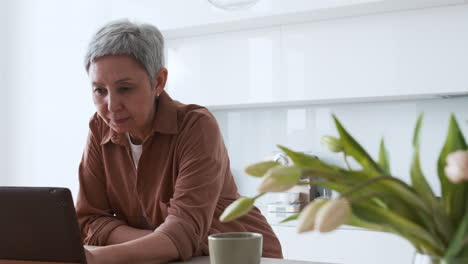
x: 39, y: 224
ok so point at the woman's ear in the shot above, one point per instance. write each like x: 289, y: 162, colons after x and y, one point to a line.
x: 160, y: 81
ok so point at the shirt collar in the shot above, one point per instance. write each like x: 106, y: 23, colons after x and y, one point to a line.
x: 165, y: 121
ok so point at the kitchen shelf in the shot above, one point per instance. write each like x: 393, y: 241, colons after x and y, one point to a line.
x: 300, y: 103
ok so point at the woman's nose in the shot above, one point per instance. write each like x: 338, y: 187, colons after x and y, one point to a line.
x: 114, y: 103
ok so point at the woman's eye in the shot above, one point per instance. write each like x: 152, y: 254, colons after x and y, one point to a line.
x: 99, y: 91
x: 125, y: 89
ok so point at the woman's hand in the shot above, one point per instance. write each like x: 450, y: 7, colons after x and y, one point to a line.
x: 90, y: 259
x: 101, y: 255
x: 138, y: 251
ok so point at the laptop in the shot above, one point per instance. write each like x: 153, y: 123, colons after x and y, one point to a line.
x: 39, y: 224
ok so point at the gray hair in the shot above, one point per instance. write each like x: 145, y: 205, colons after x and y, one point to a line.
x: 144, y: 42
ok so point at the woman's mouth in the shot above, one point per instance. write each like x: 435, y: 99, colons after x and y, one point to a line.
x: 121, y: 121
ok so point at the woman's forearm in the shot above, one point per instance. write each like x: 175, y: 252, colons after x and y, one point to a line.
x: 126, y: 233
x: 153, y: 248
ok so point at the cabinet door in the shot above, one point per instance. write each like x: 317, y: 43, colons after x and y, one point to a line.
x: 225, y: 69
x: 411, y: 53
x: 418, y: 54
x: 347, y: 246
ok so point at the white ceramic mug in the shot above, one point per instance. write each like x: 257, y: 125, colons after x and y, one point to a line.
x: 235, y: 248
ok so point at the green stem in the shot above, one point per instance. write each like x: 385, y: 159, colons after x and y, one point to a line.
x: 363, y: 184
x: 465, y: 242
x: 322, y: 174
x: 402, y: 226
x: 364, y: 197
x: 258, y: 196
x: 356, y: 221
x: 346, y: 161
x: 310, y: 183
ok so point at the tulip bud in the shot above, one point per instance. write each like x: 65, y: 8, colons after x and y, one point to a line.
x: 259, y: 169
x: 237, y: 209
x: 279, y: 179
x: 306, y: 220
x: 332, y: 214
x: 456, y: 169
x: 333, y: 143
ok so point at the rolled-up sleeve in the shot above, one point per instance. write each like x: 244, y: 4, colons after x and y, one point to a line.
x: 95, y: 216
x: 203, y: 164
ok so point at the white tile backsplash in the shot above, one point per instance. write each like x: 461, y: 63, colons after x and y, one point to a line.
x: 252, y: 134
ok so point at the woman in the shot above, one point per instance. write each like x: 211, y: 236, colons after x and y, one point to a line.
x: 155, y: 176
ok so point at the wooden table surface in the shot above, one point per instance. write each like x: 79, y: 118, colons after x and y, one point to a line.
x: 196, y: 260
x: 206, y: 260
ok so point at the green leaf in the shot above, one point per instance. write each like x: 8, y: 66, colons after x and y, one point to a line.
x: 343, y: 177
x: 333, y: 186
x: 455, y: 196
x: 464, y: 251
x: 459, y: 242
x: 260, y: 168
x: 418, y: 181
x: 416, y: 130
x: 384, y: 158
x: 393, y: 194
x: 400, y: 225
x: 305, y: 161
x: 404, y: 199
x: 353, y: 149
x: 356, y: 221
x: 390, y: 197
x: 290, y: 218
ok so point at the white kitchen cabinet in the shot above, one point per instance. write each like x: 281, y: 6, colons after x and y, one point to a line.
x: 200, y: 18
x: 413, y: 53
x: 403, y: 55
x: 225, y: 69
x: 346, y: 246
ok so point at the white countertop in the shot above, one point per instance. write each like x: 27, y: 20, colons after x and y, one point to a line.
x: 206, y: 260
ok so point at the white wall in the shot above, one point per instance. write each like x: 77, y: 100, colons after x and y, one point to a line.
x: 48, y: 100
x: 49, y: 95
x: 4, y: 90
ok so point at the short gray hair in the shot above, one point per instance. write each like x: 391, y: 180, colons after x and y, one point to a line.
x: 144, y: 42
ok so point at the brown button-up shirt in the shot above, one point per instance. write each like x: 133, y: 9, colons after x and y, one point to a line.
x: 182, y: 185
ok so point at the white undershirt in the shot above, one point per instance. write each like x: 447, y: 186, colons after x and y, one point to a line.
x: 136, y: 151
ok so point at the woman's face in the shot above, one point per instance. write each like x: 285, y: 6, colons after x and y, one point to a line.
x: 123, y: 95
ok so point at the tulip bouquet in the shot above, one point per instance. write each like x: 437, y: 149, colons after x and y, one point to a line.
x: 370, y: 197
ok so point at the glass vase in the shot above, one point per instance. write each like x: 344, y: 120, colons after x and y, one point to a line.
x: 428, y: 259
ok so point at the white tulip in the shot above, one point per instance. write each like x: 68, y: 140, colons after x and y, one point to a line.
x: 237, y: 209
x: 279, y: 179
x: 333, y: 214
x: 259, y: 169
x: 456, y: 169
x: 332, y: 143
x: 306, y: 220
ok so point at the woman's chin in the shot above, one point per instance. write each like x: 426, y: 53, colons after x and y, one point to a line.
x: 119, y: 129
